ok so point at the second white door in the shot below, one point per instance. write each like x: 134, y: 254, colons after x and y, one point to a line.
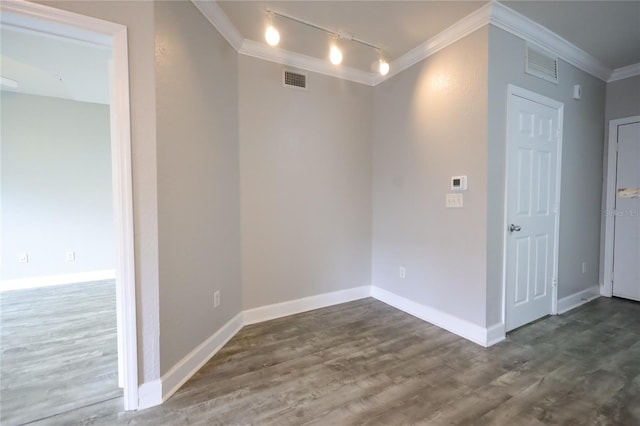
x: 626, y: 249
x: 533, y: 140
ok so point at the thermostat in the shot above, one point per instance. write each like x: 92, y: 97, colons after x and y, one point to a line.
x: 458, y: 183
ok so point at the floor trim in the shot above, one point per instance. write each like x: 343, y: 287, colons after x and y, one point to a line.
x: 156, y: 392
x: 150, y: 394
x: 496, y: 334
x: 291, y: 307
x: 190, y: 364
x: 578, y: 299
x: 459, y: 326
x: 60, y: 279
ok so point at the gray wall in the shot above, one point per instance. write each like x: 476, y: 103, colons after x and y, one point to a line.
x: 579, y: 238
x: 430, y: 123
x: 138, y: 17
x: 198, y: 179
x: 56, y: 186
x: 622, y: 100
x: 305, y: 160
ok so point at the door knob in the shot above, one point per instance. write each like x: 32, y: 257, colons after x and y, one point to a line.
x: 515, y: 228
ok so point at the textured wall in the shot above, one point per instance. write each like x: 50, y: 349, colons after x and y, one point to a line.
x: 305, y: 160
x: 430, y: 123
x: 198, y: 182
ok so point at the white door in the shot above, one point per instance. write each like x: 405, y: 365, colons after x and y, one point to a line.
x: 533, y: 147
x: 626, y: 245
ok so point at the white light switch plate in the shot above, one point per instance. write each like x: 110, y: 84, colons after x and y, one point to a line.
x: 454, y: 201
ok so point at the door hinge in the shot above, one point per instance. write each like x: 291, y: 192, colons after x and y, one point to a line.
x: 554, y: 282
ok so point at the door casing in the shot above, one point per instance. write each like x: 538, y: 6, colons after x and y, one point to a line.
x: 513, y: 90
x: 60, y: 23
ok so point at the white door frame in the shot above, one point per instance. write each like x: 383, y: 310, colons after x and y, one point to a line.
x: 56, y: 22
x: 610, y: 194
x: 513, y: 90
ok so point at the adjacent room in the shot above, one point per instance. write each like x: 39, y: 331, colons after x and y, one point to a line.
x: 343, y: 212
x: 57, y: 294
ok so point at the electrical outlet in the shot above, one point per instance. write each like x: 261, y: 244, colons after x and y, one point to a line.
x: 23, y: 258
x: 71, y: 256
x: 216, y: 298
x: 403, y: 272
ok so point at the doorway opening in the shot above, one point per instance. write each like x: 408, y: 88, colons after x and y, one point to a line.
x: 26, y: 17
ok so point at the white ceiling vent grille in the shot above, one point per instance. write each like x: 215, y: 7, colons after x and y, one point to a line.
x: 542, y: 64
x: 294, y: 79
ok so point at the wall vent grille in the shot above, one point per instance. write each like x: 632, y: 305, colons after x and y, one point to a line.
x: 542, y: 64
x: 294, y: 79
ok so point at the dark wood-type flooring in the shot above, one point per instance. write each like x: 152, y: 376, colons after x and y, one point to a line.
x: 58, y: 350
x: 367, y: 363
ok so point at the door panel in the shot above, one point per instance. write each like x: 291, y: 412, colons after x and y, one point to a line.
x: 541, y: 266
x: 626, y: 247
x: 532, y: 173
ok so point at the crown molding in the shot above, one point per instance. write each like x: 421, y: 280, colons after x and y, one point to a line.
x: 304, y: 62
x: 523, y: 27
x: 450, y: 35
x: 625, y: 72
x: 216, y: 16
x: 493, y: 13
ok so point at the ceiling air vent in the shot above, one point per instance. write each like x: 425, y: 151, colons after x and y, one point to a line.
x: 542, y: 64
x: 294, y: 79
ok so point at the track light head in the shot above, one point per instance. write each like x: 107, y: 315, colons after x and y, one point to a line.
x: 383, y: 67
x: 335, y: 55
x: 272, y: 36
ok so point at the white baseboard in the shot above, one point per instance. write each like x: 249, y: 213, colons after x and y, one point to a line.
x: 156, y: 392
x: 190, y: 364
x: 580, y: 298
x: 291, y: 307
x: 150, y: 394
x: 496, y: 334
x: 462, y: 328
x: 60, y: 279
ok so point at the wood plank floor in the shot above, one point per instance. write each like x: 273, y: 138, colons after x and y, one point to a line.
x: 367, y: 363
x: 58, y: 350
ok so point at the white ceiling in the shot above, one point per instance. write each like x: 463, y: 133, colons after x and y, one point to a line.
x: 54, y: 66
x: 608, y: 30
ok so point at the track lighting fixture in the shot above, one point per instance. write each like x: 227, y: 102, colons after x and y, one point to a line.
x: 383, y: 66
x: 272, y: 36
x: 335, y: 54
